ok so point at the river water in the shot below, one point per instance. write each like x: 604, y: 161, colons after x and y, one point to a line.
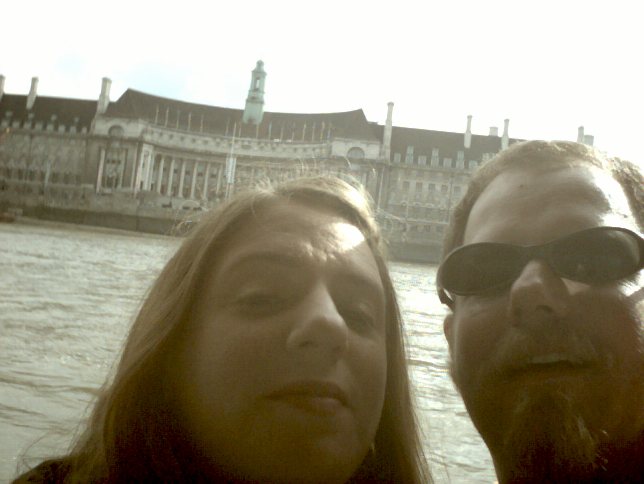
x: 67, y: 296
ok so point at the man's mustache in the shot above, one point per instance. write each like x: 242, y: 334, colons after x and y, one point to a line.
x: 559, y: 344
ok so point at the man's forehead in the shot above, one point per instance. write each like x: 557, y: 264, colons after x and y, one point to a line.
x: 557, y: 199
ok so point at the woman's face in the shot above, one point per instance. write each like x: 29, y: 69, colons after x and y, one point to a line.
x: 282, y: 376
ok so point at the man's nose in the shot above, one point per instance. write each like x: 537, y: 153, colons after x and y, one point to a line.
x: 318, y: 328
x: 538, y: 296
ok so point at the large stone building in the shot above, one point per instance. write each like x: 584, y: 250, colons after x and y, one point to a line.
x: 145, y: 155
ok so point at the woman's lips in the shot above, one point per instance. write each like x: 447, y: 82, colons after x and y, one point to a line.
x: 321, y: 398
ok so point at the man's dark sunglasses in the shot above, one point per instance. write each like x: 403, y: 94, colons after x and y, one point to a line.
x: 593, y: 256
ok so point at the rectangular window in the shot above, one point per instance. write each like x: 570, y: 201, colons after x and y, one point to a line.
x: 409, y: 156
x: 460, y: 159
x: 443, y: 188
x: 405, y: 186
x: 422, y: 160
x: 435, y: 157
x: 396, y: 157
x: 419, y: 186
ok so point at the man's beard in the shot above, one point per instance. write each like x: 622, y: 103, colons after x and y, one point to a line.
x: 548, y: 440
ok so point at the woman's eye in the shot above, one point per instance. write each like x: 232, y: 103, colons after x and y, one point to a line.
x: 259, y: 304
x: 359, y: 318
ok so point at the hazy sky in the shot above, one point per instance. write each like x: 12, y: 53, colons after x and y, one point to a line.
x: 548, y: 66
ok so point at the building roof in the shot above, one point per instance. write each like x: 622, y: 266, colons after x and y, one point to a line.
x: 68, y: 112
x: 378, y: 130
x: 447, y: 143
x: 297, y: 127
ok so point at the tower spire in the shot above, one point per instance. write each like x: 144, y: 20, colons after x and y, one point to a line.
x: 254, y: 110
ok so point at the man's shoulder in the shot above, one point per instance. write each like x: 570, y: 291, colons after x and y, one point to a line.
x: 52, y: 471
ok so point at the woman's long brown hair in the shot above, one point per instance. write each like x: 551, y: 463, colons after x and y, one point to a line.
x: 132, y: 434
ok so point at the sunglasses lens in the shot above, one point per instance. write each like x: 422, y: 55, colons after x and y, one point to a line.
x: 597, y: 256
x: 479, y: 267
x: 593, y: 256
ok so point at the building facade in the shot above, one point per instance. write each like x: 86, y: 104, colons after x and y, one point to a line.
x: 162, y: 156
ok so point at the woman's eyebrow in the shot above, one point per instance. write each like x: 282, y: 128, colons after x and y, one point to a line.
x: 275, y: 258
x: 362, y: 281
x: 349, y: 273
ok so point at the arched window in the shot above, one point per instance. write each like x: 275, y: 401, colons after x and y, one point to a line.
x: 116, y: 131
x: 355, y: 153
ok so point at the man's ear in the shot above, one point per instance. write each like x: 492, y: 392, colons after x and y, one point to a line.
x: 448, y: 329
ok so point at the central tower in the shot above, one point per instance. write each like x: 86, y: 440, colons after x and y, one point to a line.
x: 254, y: 110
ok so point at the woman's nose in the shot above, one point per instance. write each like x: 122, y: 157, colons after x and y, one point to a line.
x: 538, y: 296
x: 319, y: 328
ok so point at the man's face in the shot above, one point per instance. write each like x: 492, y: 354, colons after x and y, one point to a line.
x: 548, y: 361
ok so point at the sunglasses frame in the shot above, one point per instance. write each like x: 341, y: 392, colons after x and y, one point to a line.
x: 528, y: 253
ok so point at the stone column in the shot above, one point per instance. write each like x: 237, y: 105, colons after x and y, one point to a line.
x: 168, y: 191
x: 101, y: 163
x: 220, y: 171
x: 193, y: 181
x: 139, y: 173
x: 135, y: 169
x: 154, y: 169
x: 148, y: 172
x: 47, y: 172
x: 122, y: 163
x: 206, y: 175
x: 160, y: 175
x: 182, y: 175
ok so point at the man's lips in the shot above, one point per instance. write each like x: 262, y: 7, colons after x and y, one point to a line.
x: 313, y: 396
x: 550, y: 364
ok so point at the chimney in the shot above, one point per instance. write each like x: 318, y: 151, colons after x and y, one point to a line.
x: 589, y: 139
x: 505, y: 140
x: 494, y: 131
x: 580, y: 134
x: 31, y: 98
x: 468, y: 132
x: 104, y: 98
x: 386, y: 141
x: 1, y: 86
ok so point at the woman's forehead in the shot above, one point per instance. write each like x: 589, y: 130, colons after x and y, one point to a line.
x: 293, y: 233
x: 286, y: 221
